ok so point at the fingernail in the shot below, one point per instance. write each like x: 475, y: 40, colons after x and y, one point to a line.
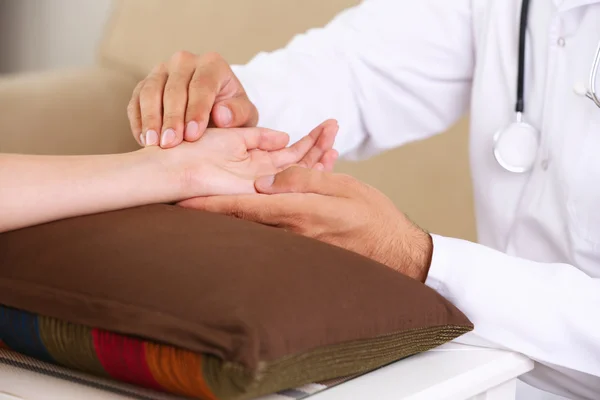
x: 143, y: 139
x: 265, y: 181
x: 191, y: 130
x: 151, y: 138
x: 167, y: 137
x: 224, y: 115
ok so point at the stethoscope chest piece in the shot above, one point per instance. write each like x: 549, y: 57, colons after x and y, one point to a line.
x: 516, y: 147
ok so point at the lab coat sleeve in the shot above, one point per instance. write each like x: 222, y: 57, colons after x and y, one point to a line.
x: 548, y: 312
x: 390, y: 72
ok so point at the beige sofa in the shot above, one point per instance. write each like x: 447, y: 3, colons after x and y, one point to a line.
x: 84, y: 111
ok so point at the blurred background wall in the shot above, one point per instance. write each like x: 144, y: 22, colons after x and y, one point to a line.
x: 40, y: 35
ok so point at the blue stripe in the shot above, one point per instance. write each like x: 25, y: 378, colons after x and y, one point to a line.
x: 19, y: 331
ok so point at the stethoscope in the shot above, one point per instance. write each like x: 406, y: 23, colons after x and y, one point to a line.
x: 516, y: 146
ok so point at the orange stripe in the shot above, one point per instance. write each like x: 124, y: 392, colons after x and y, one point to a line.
x: 178, y: 371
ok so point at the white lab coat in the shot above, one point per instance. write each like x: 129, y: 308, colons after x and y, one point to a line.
x: 394, y: 71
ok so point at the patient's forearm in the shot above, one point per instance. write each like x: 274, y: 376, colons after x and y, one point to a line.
x: 38, y: 189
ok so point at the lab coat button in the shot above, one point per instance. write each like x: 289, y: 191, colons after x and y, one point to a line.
x: 561, y: 42
x: 545, y: 164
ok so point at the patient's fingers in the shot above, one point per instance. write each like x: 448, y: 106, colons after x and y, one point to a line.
x: 293, y: 154
x: 175, y: 98
x: 151, y: 96
x: 324, y: 136
x: 310, y: 149
x: 263, y: 139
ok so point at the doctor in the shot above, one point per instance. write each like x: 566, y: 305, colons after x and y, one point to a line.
x: 395, y: 71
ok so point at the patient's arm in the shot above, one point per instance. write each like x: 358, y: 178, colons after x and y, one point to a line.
x: 37, y: 189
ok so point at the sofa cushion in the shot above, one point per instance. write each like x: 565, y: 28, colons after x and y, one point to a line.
x: 143, y: 33
x: 253, y: 309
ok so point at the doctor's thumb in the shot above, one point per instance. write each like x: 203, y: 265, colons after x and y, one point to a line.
x: 234, y: 113
x: 290, y: 180
x: 264, y: 184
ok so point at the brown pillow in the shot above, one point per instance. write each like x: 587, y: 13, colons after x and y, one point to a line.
x: 262, y: 308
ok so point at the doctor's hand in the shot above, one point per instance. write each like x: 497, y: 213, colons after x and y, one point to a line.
x: 335, y: 209
x: 180, y: 98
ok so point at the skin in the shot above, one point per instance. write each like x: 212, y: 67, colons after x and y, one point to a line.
x: 232, y: 161
x: 179, y: 99
x: 39, y: 189
x: 336, y: 209
x: 183, y: 96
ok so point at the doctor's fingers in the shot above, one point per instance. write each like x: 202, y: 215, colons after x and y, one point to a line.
x: 302, y: 180
x: 163, y: 93
x: 328, y: 161
x: 134, y: 114
x: 236, y: 111
x: 284, y: 210
x: 214, y: 91
x: 145, y: 106
x: 181, y: 68
x: 176, y: 100
x: 150, y: 100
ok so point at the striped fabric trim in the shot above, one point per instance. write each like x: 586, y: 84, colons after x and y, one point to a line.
x: 17, y: 360
x: 113, y: 362
x: 20, y: 331
x: 108, y: 361
x: 160, y: 368
x: 14, y: 359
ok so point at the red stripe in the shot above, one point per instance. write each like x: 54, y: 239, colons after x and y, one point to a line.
x: 124, y: 359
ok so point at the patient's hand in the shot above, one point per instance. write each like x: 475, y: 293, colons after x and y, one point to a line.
x: 227, y: 161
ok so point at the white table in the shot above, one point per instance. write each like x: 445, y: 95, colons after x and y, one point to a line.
x: 449, y: 372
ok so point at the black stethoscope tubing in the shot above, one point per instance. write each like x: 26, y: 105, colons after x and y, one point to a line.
x: 520, y: 106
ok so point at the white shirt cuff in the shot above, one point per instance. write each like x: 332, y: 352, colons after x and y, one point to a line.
x: 439, y: 265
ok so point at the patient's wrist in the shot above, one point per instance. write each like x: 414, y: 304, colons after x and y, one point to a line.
x: 164, y: 172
